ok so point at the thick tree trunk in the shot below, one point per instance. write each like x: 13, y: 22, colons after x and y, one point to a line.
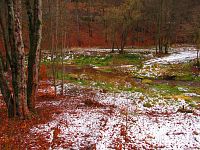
x: 35, y: 35
x: 15, y: 95
x: 5, y: 34
x: 6, y: 92
x: 18, y: 58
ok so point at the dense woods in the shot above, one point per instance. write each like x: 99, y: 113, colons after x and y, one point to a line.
x: 91, y: 23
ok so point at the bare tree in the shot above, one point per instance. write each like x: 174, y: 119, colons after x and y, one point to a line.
x: 197, y: 41
x: 123, y: 18
x: 15, y: 92
x: 34, y: 11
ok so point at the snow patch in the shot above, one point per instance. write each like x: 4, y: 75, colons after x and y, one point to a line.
x: 174, y: 58
x: 150, y: 128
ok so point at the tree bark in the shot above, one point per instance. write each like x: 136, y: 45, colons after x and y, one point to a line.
x: 35, y: 35
x: 3, y: 26
x: 123, y: 40
x: 198, y: 63
x: 18, y: 58
x: 6, y: 93
x: 78, y: 24
x: 16, y: 94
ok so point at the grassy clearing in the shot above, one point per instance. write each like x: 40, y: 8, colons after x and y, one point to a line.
x: 106, y: 77
x: 107, y: 60
x: 182, y: 72
x: 115, y: 59
x: 166, y: 89
x: 73, y: 78
x: 174, y: 92
x: 100, y: 78
x: 77, y: 79
x: 127, y: 59
x: 93, y: 60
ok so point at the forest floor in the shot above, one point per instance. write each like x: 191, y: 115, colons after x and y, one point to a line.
x: 130, y: 101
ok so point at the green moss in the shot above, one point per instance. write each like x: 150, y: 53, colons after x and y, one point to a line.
x: 193, y: 105
x: 147, y: 104
x: 93, y: 60
x: 108, y: 60
x: 188, y: 101
x: 147, y: 81
x: 185, y: 77
x: 194, y: 90
x: 195, y: 99
x: 181, y: 72
x: 130, y: 57
x: 197, y: 78
x: 73, y: 78
x: 167, y: 89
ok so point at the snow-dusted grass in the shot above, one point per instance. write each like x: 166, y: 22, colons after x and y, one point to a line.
x: 84, y: 129
x: 177, y: 131
x: 156, y: 127
x: 179, y: 57
x: 153, y: 67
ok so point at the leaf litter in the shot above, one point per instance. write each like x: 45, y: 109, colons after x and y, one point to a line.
x: 121, y: 121
x: 91, y: 119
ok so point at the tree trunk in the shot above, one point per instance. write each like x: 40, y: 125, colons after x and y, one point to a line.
x: 78, y: 25
x: 16, y: 95
x: 113, y: 46
x: 105, y: 26
x: 62, y: 57
x: 198, y: 64
x: 123, y: 40
x: 18, y: 58
x: 6, y: 93
x: 160, y: 15
x: 53, y: 63
x: 5, y: 34
x: 35, y: 36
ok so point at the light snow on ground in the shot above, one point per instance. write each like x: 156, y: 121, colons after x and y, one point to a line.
x: 88, y: 127
x: 151, y: 68
x: 158, y: 127
x: 178, y: 57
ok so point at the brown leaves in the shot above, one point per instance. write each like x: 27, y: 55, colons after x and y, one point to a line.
x: 56, y: 132
x: 43, y: 72
x: 123, y: 130
x: 92, y: 103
